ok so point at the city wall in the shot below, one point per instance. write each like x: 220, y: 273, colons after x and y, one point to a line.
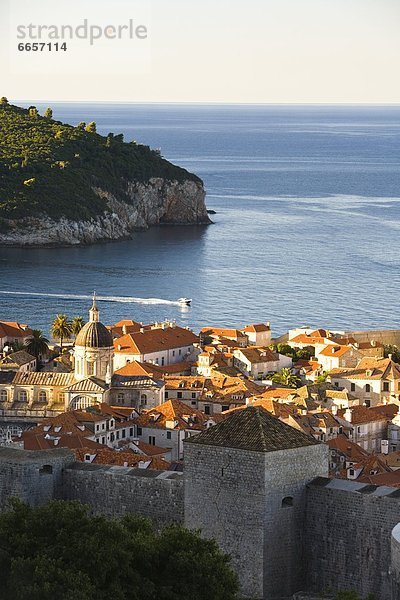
x: 351, y: 531
x: 349, y: 537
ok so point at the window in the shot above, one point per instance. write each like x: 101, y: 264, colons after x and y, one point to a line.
x: 169, y: 435
x: 287, y: 502
x: 117, y: 435
x: 224, y: 407
x: 352, y: 387
x: 103, y: 440
x: 23, y: 396
x: 193, y: 394
x: 179, y: 395
x: 336, y: 384
x: 42, y: 396
x: 61, y: 397
x: 385, y: 386
x: 152, y: 440
x: 123, y: 433
x: 143, y: 399
x: 162, y: 361
x: 97, y: 427
x: 131, y: 431
x: 351, y: 472
x: 193, y: 402
x: 3, y: 396
x: 90, y: 368
x: 87, y: 457
x: 173, y: 352
x: 207, y: 409
x: 103, y: 425
x: 180, y: 351
x: 46, y: 470
x: 166, y: 394
x: 367, y: 388
x: 139, y: 431
x: 121, y: 398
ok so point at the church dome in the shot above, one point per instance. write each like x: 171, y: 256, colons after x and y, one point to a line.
x: 94, y: 335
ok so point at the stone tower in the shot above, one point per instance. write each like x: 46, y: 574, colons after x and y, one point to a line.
x: 94, y: 350
x: 245, y: 481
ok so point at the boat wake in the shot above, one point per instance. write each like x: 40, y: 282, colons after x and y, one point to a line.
x: 121, y: 299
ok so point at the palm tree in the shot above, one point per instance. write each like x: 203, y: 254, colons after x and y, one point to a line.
x: 286, y: 377
x: 76, y: 325
x: 61, y: 328
x: 37, y: 344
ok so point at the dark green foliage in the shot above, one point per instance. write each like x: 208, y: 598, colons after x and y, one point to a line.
x: 48, y: 113
x: 295, y: 353
x: 66, y: 163
x: 394, y: 351
x: 60, y: 551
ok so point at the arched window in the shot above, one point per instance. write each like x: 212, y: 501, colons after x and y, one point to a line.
x: 287, y: 502
x: 367, y: 388
x: 3, y: 396
x: 23, y: 396
x: 81, y: 402
x: 42, y: 396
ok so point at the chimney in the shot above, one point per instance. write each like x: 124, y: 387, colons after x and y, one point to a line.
x: 334, y: 409
x: 124, y: 329
x: 385, y: 446
x: 348, y: 415
x: 390, y: 356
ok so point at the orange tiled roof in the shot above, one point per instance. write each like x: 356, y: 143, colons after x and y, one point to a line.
x: 223, y: 332
x: 258, y: 354
x: 257, y: 328
x: 370, y: 368
x: 362, y: 414
x: 352, y: 451
x: 155, y: 340
x: 107, y: 456
x: 335, y: 351
x: 14, y: 329
x: 172, y: 411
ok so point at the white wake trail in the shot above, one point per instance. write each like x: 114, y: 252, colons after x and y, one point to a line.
x: 121, y: 299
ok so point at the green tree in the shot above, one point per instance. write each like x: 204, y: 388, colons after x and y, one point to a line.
x: 392, y: 350
x: 76, y: 325
x: 347, y: 596
x: 3, y: 101
x: 81, y: 125
x: 37, y: 344
x: 33, y: 111
x: 48, y: 113
x: 61, y: 328
x: 322, y: 378
x: 286, y: 377
x: 61, y: 551
x: 91, y: 127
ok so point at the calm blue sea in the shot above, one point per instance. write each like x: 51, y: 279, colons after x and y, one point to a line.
x: 307, y: 227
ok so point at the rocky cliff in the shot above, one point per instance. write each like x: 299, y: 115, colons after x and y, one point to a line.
x: 156, y: 202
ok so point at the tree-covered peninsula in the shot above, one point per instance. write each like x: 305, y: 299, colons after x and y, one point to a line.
x: 52, y: 172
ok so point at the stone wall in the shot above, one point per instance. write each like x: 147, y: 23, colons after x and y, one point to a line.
x: 253, y: 504
x: 385, y: 336
x: 115, y: 490
x: 34, y: 477
x: 348, y: 533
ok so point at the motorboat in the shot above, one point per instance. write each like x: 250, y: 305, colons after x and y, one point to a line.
x: 185, y: 301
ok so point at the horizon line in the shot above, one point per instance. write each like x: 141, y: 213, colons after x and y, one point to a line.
x: 212, y: 103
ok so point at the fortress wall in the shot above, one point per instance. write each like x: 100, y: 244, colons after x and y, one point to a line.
x: 117, y: 491
x: 385, y: 336
x: 395, y: 566
x: 348, y: 531
x: 34, y: 477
